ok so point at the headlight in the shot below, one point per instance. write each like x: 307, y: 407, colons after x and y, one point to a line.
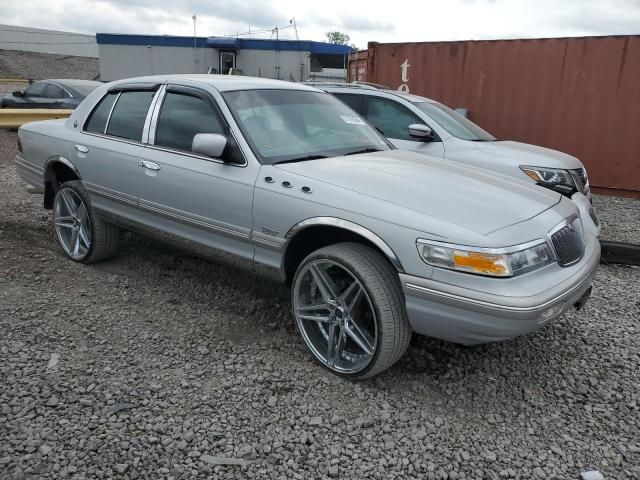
x: 552, y: 176
x: 495, y: 262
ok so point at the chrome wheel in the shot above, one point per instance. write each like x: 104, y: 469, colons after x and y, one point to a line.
x: 72, y: 223
x: 335, y: 316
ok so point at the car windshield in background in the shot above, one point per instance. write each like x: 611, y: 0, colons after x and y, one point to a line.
x: 454, y: 123
x: 287, y: 126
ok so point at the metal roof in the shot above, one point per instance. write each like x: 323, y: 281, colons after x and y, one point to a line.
x: 223, y: 42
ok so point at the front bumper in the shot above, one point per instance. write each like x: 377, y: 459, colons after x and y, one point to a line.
x: 470, y: 317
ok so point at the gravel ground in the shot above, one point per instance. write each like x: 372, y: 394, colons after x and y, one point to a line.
x: 37, y: 66
x: 155, y: 364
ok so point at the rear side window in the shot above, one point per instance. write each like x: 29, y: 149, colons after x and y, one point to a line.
x: 129, y: 114
x: 98, y: 120
x: 354, y: 101
x: 36, y: 90
x: 54, y: 91
x: 181, y: 117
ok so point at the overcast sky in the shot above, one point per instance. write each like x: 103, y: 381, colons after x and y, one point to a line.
x: 388, y: 21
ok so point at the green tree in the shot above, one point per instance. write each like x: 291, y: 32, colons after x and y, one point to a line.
x: 338, y: 37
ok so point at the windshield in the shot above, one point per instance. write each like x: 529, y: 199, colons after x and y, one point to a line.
x: 295, y: 125
x: 454, y: 123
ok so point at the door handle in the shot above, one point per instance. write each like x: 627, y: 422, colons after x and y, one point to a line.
x: 149, y: 165
x: 81, y: 148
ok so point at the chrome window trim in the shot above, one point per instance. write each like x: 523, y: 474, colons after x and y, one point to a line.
x: 148, y: 130
x: 153, y: 125
x: 62, y: 87
x: 106, y: 124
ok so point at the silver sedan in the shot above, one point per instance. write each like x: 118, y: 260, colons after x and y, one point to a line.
x: 290, y: 183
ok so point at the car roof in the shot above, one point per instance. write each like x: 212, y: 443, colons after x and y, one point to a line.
x: 223, y: 83
x: 369, y: 90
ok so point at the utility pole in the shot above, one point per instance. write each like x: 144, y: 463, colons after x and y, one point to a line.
x: 277, y: 54
x: 195, y: 58
x: 295, y: 28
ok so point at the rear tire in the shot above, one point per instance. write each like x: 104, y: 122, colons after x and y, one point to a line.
x: 83, y: 235
x: 350, y: 310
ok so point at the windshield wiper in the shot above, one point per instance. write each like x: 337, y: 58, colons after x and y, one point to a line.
x: 301, y: 159
x: 364, y: 150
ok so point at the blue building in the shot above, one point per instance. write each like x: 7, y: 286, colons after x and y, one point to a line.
x: 123, y: 56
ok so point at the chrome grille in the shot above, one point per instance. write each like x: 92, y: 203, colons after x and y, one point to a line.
x: 568, y: 244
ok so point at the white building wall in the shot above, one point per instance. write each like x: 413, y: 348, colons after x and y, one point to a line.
x: 47, y: 41
x: 125, y: 61
x: 294, y: 66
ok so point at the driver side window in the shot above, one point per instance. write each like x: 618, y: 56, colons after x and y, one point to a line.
x: 391, y: 118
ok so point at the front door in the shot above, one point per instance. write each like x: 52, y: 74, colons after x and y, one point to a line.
x: 393, y: 120
x: 227, y: 62
x: 190, y: 196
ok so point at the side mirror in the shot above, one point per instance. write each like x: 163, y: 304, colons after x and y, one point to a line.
x: 17, y: 93
x: 209, y: 144
x: 417, y: 130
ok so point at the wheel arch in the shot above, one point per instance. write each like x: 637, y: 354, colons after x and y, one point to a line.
x: 317, y: 232
x: 57, y: 170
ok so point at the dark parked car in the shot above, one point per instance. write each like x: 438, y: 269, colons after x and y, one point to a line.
x: 51, y: 94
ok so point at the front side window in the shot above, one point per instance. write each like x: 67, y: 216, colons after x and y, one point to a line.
x: 454, y: 123
x: 97, y: 122
x: 36, y: 90
x: 181, y: 117
x: 295, y: 125
x: 391, y: 118
x: 54, y: 91
x: 129, y: 114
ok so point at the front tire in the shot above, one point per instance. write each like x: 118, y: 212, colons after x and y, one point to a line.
x: 83, y: 235
x: 350, y: 310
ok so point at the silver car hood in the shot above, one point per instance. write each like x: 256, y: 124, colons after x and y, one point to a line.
x: 531, y: 155
x: 464, y: 196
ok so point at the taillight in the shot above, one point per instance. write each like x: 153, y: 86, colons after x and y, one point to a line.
x: 19, y: 145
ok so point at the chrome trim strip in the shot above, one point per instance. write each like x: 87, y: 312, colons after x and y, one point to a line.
x: 110, y: 194
x: 192, y: 220
x: 352, y: 227
x: 191, y: 247
x: 459, y: 298
x: 29, y: 166
x: 274, y: 243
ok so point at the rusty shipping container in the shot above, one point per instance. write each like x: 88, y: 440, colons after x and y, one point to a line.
x: 576, y: 95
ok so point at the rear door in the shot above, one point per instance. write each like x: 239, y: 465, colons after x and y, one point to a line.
x: 109, y: 147
x: 393, y: 119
